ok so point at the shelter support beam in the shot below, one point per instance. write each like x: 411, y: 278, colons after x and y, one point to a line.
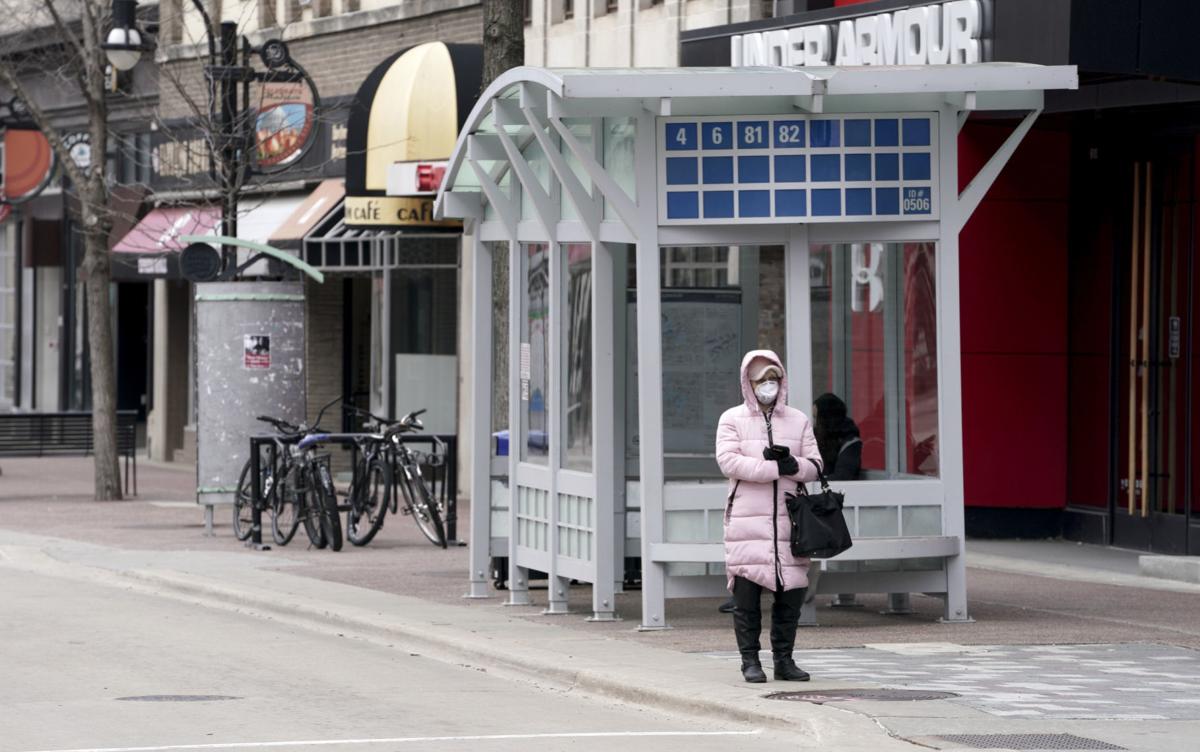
x: 543, y: 205
x: 613, y: 193
x: 970, y: 197
x: 649, y: 379
x: 949, y: 338
x: 604, y: 439
x: 481, y: 418
x: 518, y: 577
x: 504, y: 207
x: 558, y: 586
x: 585, y: 205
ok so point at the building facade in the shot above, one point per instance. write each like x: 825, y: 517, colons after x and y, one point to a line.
x: 1079, y: 269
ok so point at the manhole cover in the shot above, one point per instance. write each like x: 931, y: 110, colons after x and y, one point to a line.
x: 1026, y: 741
x: 178, y: 698
x: 841, y: 695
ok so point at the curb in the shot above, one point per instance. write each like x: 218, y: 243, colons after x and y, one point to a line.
x: 526, y: 667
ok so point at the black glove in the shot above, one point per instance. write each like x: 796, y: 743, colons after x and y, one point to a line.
x: 788, y: 466
x: 776, y: 452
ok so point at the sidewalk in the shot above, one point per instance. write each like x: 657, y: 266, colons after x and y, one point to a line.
x: 404, y: 591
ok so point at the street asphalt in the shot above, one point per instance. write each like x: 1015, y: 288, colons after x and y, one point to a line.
x: 1126, y: 645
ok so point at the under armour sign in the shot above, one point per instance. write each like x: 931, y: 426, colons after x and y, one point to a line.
x: 947, y: 34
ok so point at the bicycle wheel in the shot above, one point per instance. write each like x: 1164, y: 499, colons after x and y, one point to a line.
x: 369, y: 501
x: 285, y: 511
x: 243, y: 505
x: 331, y: 521
x: 311, y: 507
x: 424, y: 509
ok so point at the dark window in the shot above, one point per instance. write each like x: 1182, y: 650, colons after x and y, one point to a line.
x: 528, y: 10
x: 568, y: 9
x: 610, y: 6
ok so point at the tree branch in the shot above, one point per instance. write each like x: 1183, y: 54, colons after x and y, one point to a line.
x: 64, y: 31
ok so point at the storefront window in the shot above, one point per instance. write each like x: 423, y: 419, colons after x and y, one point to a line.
x: 577, y: 413
x: 717, y: 303
x: 874, y: 343
x: 534, y: 368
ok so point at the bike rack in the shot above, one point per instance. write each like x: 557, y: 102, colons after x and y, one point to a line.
x: 446, y: 490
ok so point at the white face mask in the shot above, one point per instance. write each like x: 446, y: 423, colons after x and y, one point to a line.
x: 767, y: 392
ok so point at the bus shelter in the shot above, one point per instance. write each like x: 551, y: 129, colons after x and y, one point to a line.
x: 657, y: 224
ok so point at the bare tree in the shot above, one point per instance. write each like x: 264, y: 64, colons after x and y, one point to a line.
x: 72, y: 32
x: 503, y: 48
x: 503, y: 37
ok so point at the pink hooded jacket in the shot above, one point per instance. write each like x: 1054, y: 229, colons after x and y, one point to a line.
x: 757, y: 548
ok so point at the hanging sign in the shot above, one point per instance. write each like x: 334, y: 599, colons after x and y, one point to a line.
x: 762, y: 169
x: 284, y: 125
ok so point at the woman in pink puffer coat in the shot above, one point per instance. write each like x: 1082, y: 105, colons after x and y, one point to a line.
x: 765, y: 448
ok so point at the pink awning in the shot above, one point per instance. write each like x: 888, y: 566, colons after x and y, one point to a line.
x: 160, y: 230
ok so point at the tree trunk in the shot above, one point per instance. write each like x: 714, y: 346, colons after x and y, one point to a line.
x: 503, y: 48
x: 97, y: 275
x: 503, y: 37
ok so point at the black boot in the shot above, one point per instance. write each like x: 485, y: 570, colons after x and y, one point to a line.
x: 752, y: 671
x: 785, y: 617
x: 747, y: 626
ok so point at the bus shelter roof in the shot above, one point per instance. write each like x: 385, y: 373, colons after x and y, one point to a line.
x: 614, y: 92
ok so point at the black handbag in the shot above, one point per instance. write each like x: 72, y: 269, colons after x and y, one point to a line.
x: 818, y: 526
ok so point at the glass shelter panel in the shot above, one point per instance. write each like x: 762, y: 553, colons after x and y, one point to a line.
x: 619, y: 138
x: 717, y: 303
x: 577, y: 412
x: 874, y: 346
x: 582, y: 130
x: 535, y: 354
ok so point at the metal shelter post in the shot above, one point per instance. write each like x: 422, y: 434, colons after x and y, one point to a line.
x: 649, y: 376
x: 479, y: 442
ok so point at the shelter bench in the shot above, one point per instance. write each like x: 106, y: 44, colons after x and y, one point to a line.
x: 844, y: 574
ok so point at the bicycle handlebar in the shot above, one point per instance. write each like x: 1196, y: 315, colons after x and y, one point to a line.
x: 280, y: 425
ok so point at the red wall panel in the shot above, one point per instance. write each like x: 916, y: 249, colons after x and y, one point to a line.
x: 1014, y: 292
x: 1015, y: 430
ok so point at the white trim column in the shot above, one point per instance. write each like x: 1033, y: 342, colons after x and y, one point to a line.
x: 479, y: 441
x: 604, y: 456
x: 949, y: 345
x: 518, y: 577
x: 649, y: 375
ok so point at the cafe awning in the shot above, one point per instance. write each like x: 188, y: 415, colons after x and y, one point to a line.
x: 407, y: 114
x: 324, y: 199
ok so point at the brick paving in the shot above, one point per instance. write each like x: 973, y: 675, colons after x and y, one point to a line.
x: 51, y: 497
x: 1080, y: 682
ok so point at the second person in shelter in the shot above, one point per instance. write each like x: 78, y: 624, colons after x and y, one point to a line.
x: 765, y: 448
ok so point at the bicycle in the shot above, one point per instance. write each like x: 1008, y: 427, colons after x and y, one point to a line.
x: 391, y: 463
x: 370, y: 488
x: 299, y: 486
x: 243, y: 505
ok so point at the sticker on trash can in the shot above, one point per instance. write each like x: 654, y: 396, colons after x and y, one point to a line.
x: 257, y: 349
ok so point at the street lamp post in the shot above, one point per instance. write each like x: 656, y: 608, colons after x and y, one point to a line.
x: 227, y: 76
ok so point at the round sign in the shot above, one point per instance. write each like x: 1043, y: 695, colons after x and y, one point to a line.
x: 200, y: 262
x: 284, y: 124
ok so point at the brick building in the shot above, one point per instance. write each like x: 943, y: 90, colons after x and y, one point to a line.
x: 339, y: 43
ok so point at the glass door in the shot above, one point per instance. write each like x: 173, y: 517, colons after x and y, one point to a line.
x: 1155, y: 437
